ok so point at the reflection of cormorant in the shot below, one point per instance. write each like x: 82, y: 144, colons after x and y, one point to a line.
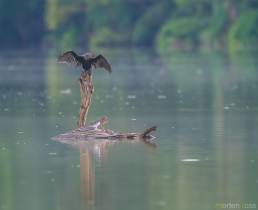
x: 87, y: 61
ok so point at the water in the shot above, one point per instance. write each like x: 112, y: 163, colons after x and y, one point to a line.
x: 205, y: 107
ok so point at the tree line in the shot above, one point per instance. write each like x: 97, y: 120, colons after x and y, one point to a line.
x: 163, y: 24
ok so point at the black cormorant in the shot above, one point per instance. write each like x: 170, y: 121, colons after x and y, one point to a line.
x: 88, y: 61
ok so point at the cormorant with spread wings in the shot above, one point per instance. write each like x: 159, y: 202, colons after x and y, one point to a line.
x: 88, y: 61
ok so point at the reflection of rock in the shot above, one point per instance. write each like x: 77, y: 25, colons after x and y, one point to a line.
x: 87, y: 176
x: 94, y: 140
x: 89, y: 150
x: 100, y: 149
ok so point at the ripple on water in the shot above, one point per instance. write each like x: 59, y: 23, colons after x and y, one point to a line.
x: 162, y: 97
x: 20, y: 132
x: 52, y: 153
x: 67, y: 91
x: 131, y: 96
x: 190, y: 160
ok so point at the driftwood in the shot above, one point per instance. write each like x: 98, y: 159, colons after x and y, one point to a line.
x: 96, y: 130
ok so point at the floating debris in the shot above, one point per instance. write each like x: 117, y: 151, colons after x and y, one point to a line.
x: 66, y: 91
x: 133, y: 119
x: 131, y: 96
x: 52, y: 153
x: 190, y: 160
x: 20, y: 132
x: 226, y: 108
x: 162, y: 97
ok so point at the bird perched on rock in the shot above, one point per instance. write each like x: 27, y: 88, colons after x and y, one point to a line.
x: 88, y: 61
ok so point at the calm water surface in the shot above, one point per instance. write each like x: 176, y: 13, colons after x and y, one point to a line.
x: 205, y: 107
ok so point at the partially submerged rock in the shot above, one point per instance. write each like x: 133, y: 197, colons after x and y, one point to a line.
x: 96, y: 131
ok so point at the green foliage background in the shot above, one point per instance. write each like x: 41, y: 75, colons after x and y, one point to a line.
x: 164, y: 25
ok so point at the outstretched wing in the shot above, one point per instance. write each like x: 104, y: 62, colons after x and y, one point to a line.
x: 101, y: 62
x: 69, y: 57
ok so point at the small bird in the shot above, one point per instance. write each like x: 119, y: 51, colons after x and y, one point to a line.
x: 88, y: 61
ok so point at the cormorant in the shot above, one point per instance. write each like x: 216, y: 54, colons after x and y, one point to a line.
x: 88, y: 61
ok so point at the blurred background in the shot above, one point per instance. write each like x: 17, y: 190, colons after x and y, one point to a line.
x: 162, y: 25
x: 188, y: 66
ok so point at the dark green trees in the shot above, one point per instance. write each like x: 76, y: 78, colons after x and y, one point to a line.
x: 163, y: 24
x: 21, y: 22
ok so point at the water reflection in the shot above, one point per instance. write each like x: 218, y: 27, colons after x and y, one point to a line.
x: 87, y: 177
x: 88, y: 152
x: 205, y: 106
